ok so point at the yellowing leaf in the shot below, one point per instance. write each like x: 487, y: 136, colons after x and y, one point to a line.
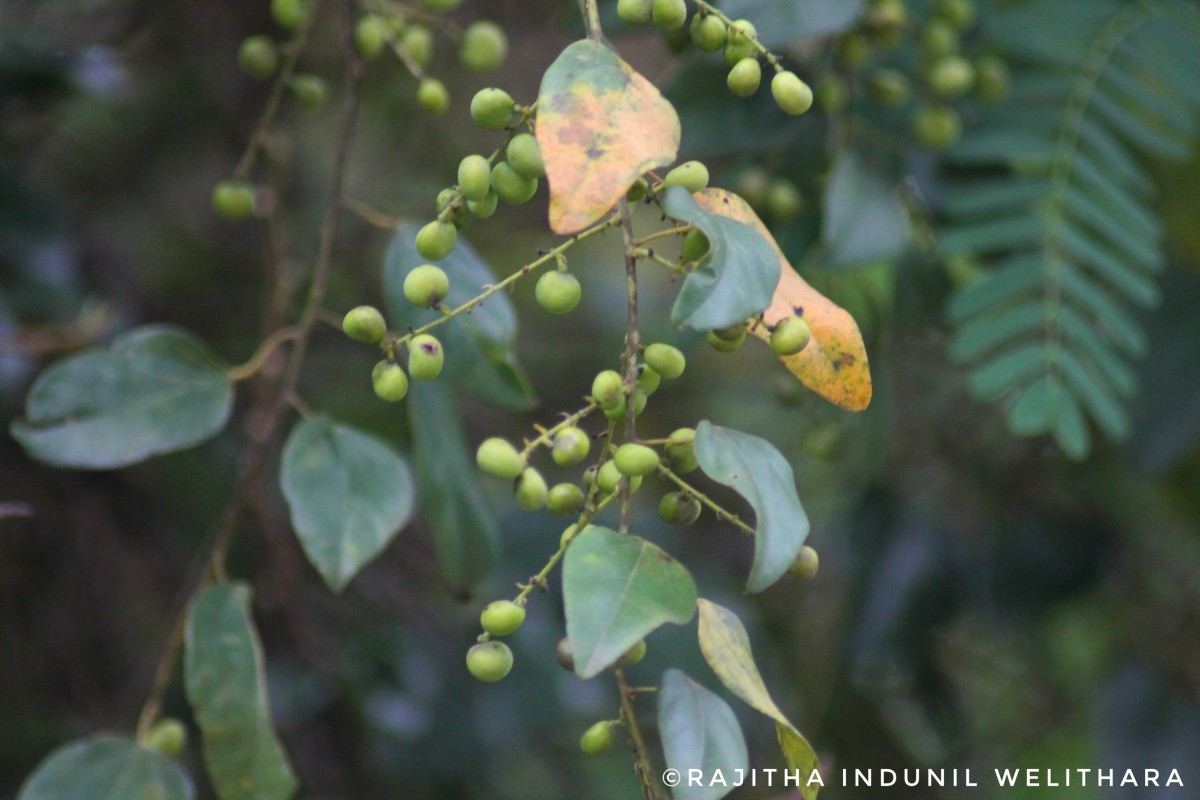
x: 834, y: 365
x: 800, y: 758
x: 600, y: 125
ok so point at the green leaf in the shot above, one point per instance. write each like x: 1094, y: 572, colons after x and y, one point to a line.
x: 997, y: 375
x: 478, y: 345
x: 1070, y: 430
x: 735, y: 280
x: 226, y: 686
x: 107, y: 768
x: 1018, y: 275
x: 699, y: 731
x: 618, y: 588
x: 781, y: 24
x: 800, y: 758
x: 1035, y: 409
x: 992, y: 235
x: 864, y: 220
x: 155, y: 391
x: 758, y: 472
x: 453, y: 505
x: 989, y: 331
x: 348, y: 493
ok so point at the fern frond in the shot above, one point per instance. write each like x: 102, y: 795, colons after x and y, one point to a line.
x: 1051, y: 329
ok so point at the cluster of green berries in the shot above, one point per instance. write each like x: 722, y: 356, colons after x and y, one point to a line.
x: 601, y: 736
x: 738, y: 41
x: 947, y: 74
x: 789, y: 336
x: 773, y: 197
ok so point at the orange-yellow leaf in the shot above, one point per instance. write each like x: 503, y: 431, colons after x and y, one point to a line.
x: 834, y: 365
x: 600, y: 125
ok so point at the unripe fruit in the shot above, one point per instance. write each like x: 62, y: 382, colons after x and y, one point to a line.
x: 939, y: 39
x: 695, y: 246
x: 790, y: 336
x: 680, y: 451
x: 311, y: 90
x: 832, y: 95
x: 502, y: 617
x: 732, y: 333
x: 530, y: 491
x: 726, y: 345
x: 691, y: 175
x: 959, y: 13
x: 441, y: 5
x: 666, y: 360
x: 634, y: 654
x: 639, y: 403
x: 791, y: 94
x: 937, y: 127
x: 564, y: 655
x: 492, y: 109
x: 233, y: 199
x: 490, y: 661
x: 558, y: 292
x: 289, y: 13
x: 739, y: 43
x: 951, y: 76
x: 426, y: 285
x: 992, y: 79
x: 752, y: 185
x: 854, y: 50
x: 708, y: 32
x: 784, y: 200
x: 425, y: 357
x: 745, y: 77
x: 669, y: 14
x: 510, y: 187
x: 678, y: 508
x: 598, y: 739
x: 564, y: 499
x: 637, y: 191
x: 890, y: 87
x: 168, y: 736
x: 636, y: 460
x: 499, y: 459
x: 432, y: 96
x: 635, y: 12
x: 436, y: 240
x: 417, y: 41
x: 389, y: 381
x: 482, y: 209
x: 887, y: 17
x: 648, y: 380
x: 364, y: 324
x: 474, y: 177
x: 258, y: 56
x: 525, y: 156
x: 484, y: 46
x: 609, y: 477
x: 571, y: 446
x: 371, y: 36
x: 608, y: 390
x: 806, y: 564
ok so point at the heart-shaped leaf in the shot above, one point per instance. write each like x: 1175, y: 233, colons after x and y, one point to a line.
x: 617, y: 588
x: 600, y: 125
x: 699, y: 731
x: 107, y: 768
x: 349, y: 494
x: 758, y: 472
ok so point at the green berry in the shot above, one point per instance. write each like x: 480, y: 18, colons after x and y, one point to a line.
x: 890, y: 87
x: 290, y: 13
x: 680, y: 451
x: 371, y: 36
x: 648, y: 380
x: 502, y: 617
x: 691, y: 175
x: 784, y: 200
x: 634, y: 654
x: 791, y: 94
x: 441, y: 6
x: 474, y: 177
x: 790, y: 336
x: 752, y: 185
x: 854, y: 50
x: 635, y: 12
x: 564, y: 499
x: 637, y: 191
x: 425, y: 357
x: 666, y: 360
x: 678, y: 508
x: 939, y: 38
x: 436, y: 240
x: 636, y: 460
x: 609, y: 477
x: 726, y: 345
x: 639, y: 403
x: 530, y: 491
x: 832, y: 95
x: 805, y: 566
x: 484, y: 46
x: 887, y: 18
x: 426, y: 285
x: 558, y: 292
x: 499, y: 459
x: 959, y: 13
x: 492, y: 109
x: 937, y: 127
x: 311, y: 90
x: 669, y: 14
x: 482, y: 209
x: 598, y: 739
x: 608, y: 390
x: 510, y: 187
x: 364, y: 324
x: 258, y: 56
x: 708, y: 32
x: 433, y: 97
x: 525, y: 156
x: 992, y: 79
x: 490, y: 661
x: 739, y: 43
x: 695, y: 246
x: 389, y: 381
x: 732, y: 333
x: 951, y: 77
x: 168, y: 736
x: 564, y: 655
x: 571, y: 446
x: 417, y: 41
x: 745, y: 77
x: 233, y: 199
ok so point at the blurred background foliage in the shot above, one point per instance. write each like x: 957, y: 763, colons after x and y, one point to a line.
x: 982, y: 601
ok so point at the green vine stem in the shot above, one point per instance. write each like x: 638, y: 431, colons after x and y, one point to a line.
x: 721, y: 512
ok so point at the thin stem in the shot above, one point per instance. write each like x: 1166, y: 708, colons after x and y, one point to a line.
x: 771, y: 58
x: 539, y: 580
x: 720, y: 511
x: 641, y: 756
x: 632, y: 340
x: 268, y: 346
x: 679, y: 230
x: 591, y: 14
x: 372, y: 215
x: 547, y: 436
